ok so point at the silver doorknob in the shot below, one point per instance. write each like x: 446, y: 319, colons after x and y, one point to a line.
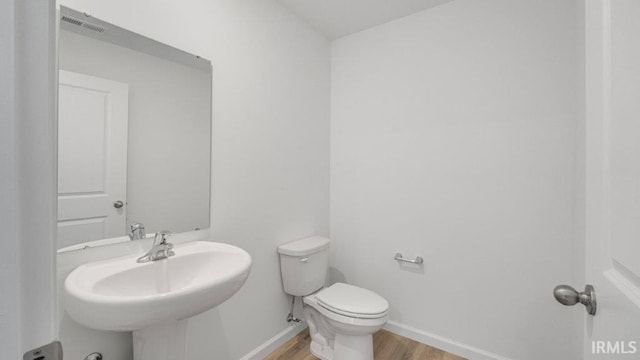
x: 566, y: 295
x: 118, y: 204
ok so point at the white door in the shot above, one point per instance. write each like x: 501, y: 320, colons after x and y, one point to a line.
x: 92, y: 158
x: 613, y: 177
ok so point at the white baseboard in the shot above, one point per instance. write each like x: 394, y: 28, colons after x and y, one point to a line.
x: 270, y: 345
x: 441, y: 343
x: 436, y: 341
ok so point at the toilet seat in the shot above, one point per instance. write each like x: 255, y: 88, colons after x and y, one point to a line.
x: 352, y: 301
x: 330, y: 315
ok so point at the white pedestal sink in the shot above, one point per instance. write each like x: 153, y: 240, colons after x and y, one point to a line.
x: 155, y: 299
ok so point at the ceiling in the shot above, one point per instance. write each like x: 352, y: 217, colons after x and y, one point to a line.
x: 337, y: 18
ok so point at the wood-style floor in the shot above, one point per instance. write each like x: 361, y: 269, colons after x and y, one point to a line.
x: 386, y: 346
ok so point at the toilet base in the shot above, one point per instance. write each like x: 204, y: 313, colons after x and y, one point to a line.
x: 321, y: 352
x: 346, y: 347
x: 353, y: 347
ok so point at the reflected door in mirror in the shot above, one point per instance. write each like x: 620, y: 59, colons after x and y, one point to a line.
x: 92, y: 158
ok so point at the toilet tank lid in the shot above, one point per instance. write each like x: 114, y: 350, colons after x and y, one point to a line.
x: 304, y: 247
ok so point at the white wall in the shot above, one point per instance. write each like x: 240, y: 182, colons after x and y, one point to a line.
x: 27, y: 180
x: 270, y: 143
x: 453, y: 137
x: 9, y: 265
x: 169, y: 132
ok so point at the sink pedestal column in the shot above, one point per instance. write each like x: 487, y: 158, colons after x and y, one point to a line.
x: 161, y: 342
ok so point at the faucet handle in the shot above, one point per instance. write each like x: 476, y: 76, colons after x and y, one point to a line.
x: 161, y: 237
x: 136, y: 226
x: 137, y: 231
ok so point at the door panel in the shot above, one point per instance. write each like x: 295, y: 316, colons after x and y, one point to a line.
x: 625, y: 132
x: 92, y: 158
x: 77, y: 231
x: 83, y: 141
x: 613, y: 177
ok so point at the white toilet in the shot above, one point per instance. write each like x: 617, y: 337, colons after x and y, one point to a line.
x: 341, y: 317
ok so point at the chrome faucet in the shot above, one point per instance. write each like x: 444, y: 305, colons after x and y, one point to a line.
x: 161, y: 249
x: 137, y: 231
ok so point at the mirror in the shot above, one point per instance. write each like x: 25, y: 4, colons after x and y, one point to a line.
x: 134, y: 135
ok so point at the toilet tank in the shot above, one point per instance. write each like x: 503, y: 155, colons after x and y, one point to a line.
x: 304, y: 264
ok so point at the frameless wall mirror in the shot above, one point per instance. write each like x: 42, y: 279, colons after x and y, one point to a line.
x: 134, y: 135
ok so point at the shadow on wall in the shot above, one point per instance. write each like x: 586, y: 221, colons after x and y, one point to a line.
x: 211, y: 344
x: 336, y: 276
x: 79, y: 341
x: 412, y: 268
x: 119, y: 345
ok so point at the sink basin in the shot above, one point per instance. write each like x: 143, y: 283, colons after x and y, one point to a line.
x: 158, y: 296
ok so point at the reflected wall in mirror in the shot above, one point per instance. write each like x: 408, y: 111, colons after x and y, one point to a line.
x: 134, y: 135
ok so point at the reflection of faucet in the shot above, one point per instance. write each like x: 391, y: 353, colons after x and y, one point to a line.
x: 161, y: 249
x: 137, y: 231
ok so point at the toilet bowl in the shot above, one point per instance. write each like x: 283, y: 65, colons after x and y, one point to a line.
x: 341, y: 326
x: 341, y: 318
